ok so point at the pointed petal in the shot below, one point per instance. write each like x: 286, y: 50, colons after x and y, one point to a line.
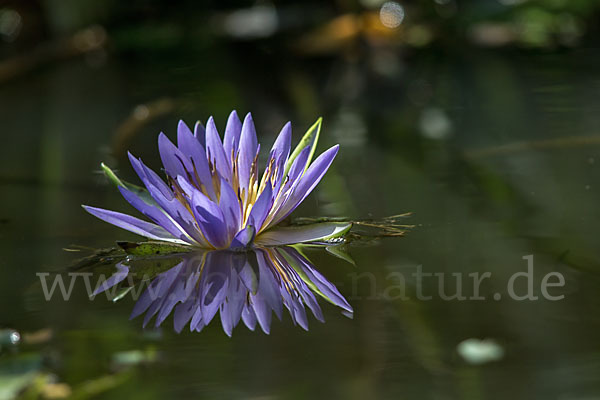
x: 249, y: 317
x: 297, y: 168
x: 247, y: 151
x: 182, y: 315
x: 210, y: 220
x: 114, y: 279
x: 200, y: 133
x: 246, y: 273
x: 230, y: 205
x: 149, y: 176
x: 302, y: 234
x: 281, y: 147
x: 243, y: 238
x: 268, y: 287
x: 261, y: 208
x: 279, y: 154
x: 171, y: 215
x: 214, y: 150
x: 308, y: 181
x: 140, y: 191
x: 173, y: 160
x: 215, y: 284
x: 314, y: 279
x: 133, y: 224
x: 309, y: 140
x: 233, y: 130
x: 191, y: 147
x: 182, y: 131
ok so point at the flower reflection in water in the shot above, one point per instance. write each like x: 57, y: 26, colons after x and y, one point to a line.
x: 240, y: 286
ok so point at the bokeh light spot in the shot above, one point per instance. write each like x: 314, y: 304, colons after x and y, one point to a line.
x: 391, y: 14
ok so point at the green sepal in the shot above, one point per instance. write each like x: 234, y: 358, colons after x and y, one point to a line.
x: 310, y: 138
x: 138, y: 190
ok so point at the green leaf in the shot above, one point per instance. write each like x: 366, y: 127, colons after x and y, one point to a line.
x: 140, y: 191
x: 310, y: 138
x: 322, y: 232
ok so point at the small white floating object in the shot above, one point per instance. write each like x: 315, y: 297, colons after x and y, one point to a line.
x: 477, y: 351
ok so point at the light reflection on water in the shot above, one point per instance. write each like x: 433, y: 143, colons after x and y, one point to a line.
x: 246, y: 287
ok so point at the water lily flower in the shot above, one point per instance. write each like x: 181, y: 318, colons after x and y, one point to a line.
x: 214, y: 196
x: 246, y: 286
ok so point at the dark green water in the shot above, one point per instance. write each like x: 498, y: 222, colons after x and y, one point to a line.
x: 497, y: 155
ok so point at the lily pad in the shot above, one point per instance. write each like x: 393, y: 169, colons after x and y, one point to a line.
x: 152, y: 248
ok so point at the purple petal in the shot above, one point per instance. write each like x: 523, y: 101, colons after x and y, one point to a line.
x: 301, y: 286
x: 267, y: 297
x: 197, y: 322
x: 293, y: 177
x: 311, y: 302
x: 308, y: 182
x: 297, y: 168
x: 210, y: 220
x: 215, y: 284
x: 191, y: 147
x: 154, y: 295
x: 243, y: 238
x: 261, y: 208
x: 281, y: 148
x: 134, y: 224
x: 233, y: 131
x: 173, y: 216
x: 148, y: 176
x: 182, y: 131
x: 182, y: 314
x: 200, y: 133
x: 320, y: 282
x: 247, y: 151
x: 249, y: 317
x: 299, y: 312
x: 247, y: 274
x: 280, y: 153
x: 232, y: 306
x: 230, y: 205
x: 215, y: 152
x: 114, y: 279
x: 172, y: 210
x: 174, y: 162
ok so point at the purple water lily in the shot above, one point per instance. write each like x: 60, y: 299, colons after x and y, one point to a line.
x: 240, y: 286
x: 214, y: 197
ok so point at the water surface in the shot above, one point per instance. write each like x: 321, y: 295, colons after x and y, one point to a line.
x: 496, y: 155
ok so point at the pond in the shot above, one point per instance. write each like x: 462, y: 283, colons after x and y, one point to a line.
x: 494, y: 153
